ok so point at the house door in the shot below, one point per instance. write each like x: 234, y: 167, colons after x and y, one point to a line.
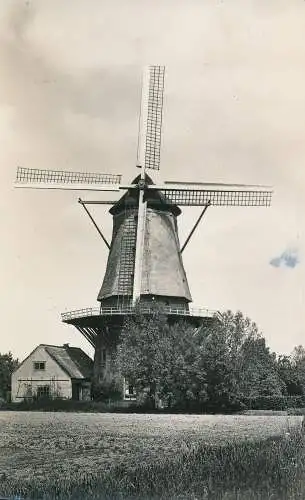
x: 43, y: 391
x: 76, y: 388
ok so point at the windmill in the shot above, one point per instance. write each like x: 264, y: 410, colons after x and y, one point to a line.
x: 145, y: 256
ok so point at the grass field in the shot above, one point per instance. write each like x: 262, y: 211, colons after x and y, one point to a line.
x: 62, y: 453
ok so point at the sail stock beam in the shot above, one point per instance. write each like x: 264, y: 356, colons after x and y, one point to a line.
x: 148, y: 155
x: 67, y: 187
x: 97, y: 202
x: 137, y: 282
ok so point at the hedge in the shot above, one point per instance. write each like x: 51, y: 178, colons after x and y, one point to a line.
x: 273, y: 402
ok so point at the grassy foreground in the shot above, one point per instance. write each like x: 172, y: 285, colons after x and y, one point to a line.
x: 273, y: 468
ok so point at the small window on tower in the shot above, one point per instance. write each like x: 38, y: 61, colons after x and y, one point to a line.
x: 104, y: 356
x: 39, y: 365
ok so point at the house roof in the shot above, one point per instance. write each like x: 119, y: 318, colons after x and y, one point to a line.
x: 75, y: 362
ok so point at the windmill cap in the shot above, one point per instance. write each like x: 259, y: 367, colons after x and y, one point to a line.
x: 155, y: 199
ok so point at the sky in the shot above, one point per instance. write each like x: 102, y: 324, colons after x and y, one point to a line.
x: 234, y: 109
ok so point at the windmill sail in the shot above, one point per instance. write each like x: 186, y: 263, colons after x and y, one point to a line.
x: 216, y: 194
x: 218, y: 198
x: 149, y: 144
x: 150, y: 124
x: 63, y: 179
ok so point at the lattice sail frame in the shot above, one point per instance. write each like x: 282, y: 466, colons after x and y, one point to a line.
x: 196, y: 197
x: 150, y: 123
x: 154, y: 117
x: 34, y: 175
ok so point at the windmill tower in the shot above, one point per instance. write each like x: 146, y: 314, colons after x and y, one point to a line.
x: 145, y: 256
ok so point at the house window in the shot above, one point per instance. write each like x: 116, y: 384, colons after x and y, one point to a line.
x: 43, y: 391
x: 129, y: 391
x: 39, y: 365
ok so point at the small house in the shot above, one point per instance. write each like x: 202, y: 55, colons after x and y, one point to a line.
x: 53, y: 372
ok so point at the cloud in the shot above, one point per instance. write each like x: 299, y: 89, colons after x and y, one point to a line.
x: 289, y: 258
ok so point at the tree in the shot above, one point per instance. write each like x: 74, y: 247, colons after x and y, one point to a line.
x: 258, y: 375
x: 288, y: 374
x: 238, y: 362
x: 183, y: 373
x: 298, y: 363
x: 238, y: 331
x: 161, y: 360
x: 220, y: 364
x: 7, y: 365
x: 298, y: 354
x: 216, y: 364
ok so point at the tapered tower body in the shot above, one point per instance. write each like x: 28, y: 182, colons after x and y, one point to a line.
x: 163, y: 278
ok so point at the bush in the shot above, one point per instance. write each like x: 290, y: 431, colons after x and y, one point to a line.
x: 276, y: 403
x: 66, y: 405
x: 227, y: 405
x: 296, y: 411
x: 264, y: 403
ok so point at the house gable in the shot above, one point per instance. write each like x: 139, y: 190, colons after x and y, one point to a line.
x: 54, y: 371
x: 40, y: 354
x: 28, y: 377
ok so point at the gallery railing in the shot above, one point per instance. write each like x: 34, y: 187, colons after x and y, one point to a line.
x: 122, y: 310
